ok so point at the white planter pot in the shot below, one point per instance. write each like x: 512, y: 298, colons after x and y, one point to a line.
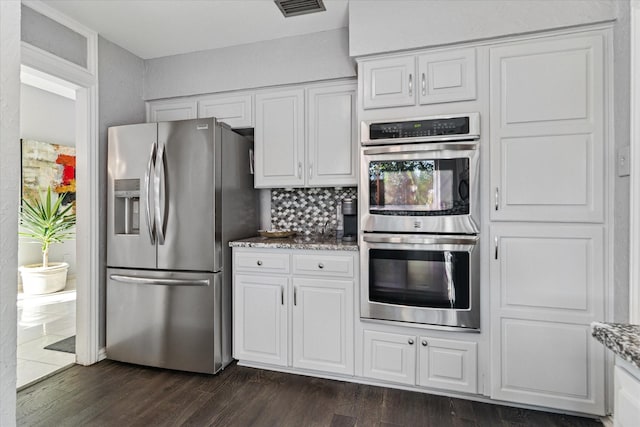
x: 44, y: 280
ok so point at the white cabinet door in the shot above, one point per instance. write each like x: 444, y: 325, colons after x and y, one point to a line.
x: 279, y: 139
x: 260, y: 314
x: 389, y: 82
x: 448, y: 365
x: 235, y: 111
x: 547, y: 286
x: 547, y: 130
x: 447, y: 76
x: 323, y: 325
x: 167, y: 111
x: 627, y: 397
x: 331, y: 141
x: 390, y: 357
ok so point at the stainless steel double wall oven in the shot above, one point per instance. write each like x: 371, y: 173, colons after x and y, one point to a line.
x: 419, y: 191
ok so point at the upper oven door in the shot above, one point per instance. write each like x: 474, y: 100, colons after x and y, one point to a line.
x: 425, y: 188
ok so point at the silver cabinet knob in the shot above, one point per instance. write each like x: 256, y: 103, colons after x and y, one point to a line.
x: 320, y: 265
x: 259, y: 262
x: 425, y: 343
x: 410, y: 341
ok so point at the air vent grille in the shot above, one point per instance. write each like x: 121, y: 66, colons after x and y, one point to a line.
x: 299, y: 7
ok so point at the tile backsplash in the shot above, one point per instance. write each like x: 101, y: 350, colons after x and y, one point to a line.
x: 304, y: 209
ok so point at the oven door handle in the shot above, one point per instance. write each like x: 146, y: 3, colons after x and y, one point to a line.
x: 422, y: 148
x: 421, y: 239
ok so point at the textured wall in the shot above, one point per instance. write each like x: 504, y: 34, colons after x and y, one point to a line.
x: 304, y: 209
x: 9, y: 179
x: 47, y: 34
x: 383, y: 25
x: 120, y: 76
x: 621, y: 127
x: 316, y: 56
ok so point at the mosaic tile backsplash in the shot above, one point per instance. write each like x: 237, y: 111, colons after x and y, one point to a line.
x: 306, y: 209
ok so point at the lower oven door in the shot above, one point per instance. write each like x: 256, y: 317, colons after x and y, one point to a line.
x: 426, y: 279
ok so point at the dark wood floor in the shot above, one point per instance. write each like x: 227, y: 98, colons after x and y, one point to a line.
x: 117, y: 394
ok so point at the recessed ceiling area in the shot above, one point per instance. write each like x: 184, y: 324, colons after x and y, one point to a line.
x: 156, y: 28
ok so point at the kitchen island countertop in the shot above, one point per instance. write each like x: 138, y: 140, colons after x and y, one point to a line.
x: 307, y: 243
x: 621, y: 338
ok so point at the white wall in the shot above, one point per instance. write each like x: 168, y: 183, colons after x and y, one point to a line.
x: 9, y: 179
x: 311, y: 57
x: 45, y: 116
x: 387, y: 25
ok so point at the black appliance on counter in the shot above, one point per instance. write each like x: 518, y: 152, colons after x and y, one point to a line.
x: 350, y: 219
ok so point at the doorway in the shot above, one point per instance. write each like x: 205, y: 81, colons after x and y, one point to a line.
x: 46, y: 317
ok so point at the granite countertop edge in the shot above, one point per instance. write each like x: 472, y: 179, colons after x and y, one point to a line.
x: 295, y: 243
x: 621, y: 338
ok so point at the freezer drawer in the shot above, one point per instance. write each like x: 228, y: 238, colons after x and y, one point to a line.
x: 165, y: 319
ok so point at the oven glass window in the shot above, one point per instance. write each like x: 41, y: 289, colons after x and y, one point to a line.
x: 433, y: 279
x: 419, y: 187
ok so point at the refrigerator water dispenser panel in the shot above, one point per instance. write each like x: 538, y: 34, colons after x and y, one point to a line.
x: 127, y: 206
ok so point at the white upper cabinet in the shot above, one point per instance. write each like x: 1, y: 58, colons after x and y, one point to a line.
x: 235, y: 111
x: 320, y: 151
x: 331, y: 133
x: 279, y: 139
x: 389, y: 82
x: 447, y: 76
x: 435, y: 77
x: 547, y: 130
x: 167, y: 111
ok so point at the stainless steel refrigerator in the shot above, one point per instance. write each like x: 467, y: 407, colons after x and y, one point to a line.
x: 178, y: 192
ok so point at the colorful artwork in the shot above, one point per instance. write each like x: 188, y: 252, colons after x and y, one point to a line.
x: 48, y: 165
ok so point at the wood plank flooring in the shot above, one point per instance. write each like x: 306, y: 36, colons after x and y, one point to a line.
x: 117, y: 394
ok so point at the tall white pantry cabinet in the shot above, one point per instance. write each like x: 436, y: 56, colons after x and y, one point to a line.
x: 548, y: 139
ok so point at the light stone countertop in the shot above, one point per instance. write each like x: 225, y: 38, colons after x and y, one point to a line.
x: 621, y: 338
x: 307, y: 243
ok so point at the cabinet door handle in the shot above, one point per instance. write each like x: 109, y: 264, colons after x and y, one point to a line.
x: 410, y: 341
x: 259, y: 262
x: 410, y: 84
x: 497, y: 198
x: 281, y: 295
x: 295, y: 296
x: 495, y: 243
x: 425, y: 343
x: 299, y: 169
x: 320, y: 265
x: 424, y: 85
x: 310, y: 171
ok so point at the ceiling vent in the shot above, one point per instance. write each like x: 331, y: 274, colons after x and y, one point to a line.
x: 299, y: 7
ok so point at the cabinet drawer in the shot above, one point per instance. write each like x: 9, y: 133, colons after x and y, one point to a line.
x: 265, y: 262
x: 329, y: 265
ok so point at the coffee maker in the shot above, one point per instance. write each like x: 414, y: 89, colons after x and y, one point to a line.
x: 350, y: 219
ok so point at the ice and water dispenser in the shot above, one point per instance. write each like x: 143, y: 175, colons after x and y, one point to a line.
x: 127, y: 206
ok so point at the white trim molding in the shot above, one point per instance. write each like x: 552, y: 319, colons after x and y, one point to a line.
x: 634, y: 256
x: 85, y: 82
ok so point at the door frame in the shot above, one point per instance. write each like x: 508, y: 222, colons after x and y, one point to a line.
x: 84, y: 81
x: 634, y: 217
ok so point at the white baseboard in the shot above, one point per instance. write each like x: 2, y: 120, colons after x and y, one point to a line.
x: 607, y: 421
x: 102, y: 354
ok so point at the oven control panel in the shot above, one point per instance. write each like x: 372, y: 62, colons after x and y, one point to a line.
x: 422, y: 129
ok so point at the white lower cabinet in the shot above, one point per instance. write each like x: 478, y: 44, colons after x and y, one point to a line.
x: 390, y: 357
x: 627, y: 395
x: 323, y: 325
x: 260, y: 319
x: 305, y: 319
x: 448, y: 364
x: 426, y: 361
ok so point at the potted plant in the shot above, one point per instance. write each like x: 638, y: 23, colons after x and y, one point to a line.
x: 47, y: 222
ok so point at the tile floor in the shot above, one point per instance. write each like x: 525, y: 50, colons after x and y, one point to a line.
x: 43, y: 320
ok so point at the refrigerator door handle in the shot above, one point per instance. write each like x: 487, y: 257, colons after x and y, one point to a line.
x: 135, y: 280
x: 147, y: 182
x: 159, y: 196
